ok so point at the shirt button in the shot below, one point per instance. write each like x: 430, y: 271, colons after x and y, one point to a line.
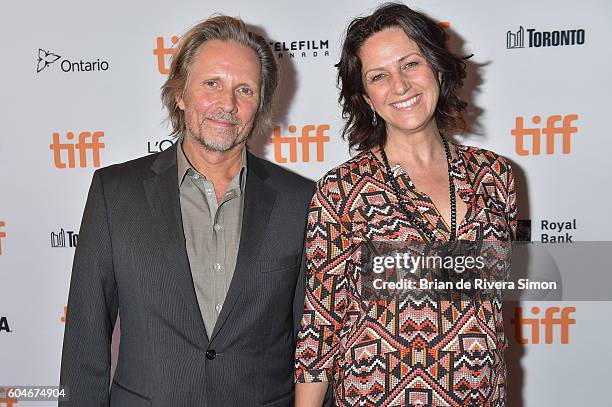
x: 218, y: 227
x: 217, y: 266
x: 211, y: 354
x: 218, y: 307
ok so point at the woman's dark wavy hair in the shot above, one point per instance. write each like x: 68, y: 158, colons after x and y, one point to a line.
x: 431, y: 39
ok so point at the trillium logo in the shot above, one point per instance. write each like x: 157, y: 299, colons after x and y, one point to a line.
x: 45, y: 58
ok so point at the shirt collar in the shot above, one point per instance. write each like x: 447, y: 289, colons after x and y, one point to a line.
x: 184, y: 166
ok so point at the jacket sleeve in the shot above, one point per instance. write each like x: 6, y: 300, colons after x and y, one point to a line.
x: 92, y: 308
x: 298, y: 298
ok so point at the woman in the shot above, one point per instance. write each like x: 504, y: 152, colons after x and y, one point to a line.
x: 399, y: 92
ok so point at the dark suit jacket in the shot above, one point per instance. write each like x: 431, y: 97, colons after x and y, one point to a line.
x: 131, y: 259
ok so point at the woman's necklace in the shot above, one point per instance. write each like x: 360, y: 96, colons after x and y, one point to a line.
x: 420, y: 223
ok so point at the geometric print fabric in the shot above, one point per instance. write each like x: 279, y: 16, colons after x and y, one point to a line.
x: 393, y: 352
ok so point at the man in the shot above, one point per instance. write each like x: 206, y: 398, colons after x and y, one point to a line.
x: 199, y: 248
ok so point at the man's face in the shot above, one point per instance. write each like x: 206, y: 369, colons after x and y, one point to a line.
x: 222, y: 94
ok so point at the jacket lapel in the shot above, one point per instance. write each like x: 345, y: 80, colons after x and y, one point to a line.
x: 258, y: 203
x: 163, y: 196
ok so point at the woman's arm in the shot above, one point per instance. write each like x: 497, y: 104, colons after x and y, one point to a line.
x: 310, y: 394
x: 325, y: 299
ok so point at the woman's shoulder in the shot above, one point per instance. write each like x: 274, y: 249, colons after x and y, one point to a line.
x: 478, y: 159
x: 350, y: 170
x: 338, y: 183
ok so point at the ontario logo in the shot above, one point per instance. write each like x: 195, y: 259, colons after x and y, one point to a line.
x: 537, y: 39
x: 48, y: 58
x: 45, y: 58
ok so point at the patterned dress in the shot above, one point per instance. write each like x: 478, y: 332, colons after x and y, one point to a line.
x: 397, y: 352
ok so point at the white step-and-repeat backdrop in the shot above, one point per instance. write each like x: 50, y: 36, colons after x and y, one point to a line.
x: 81, y: 90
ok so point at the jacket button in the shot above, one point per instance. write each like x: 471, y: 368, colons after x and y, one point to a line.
x: 211, y: 354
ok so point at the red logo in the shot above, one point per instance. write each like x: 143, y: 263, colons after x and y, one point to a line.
x: 550, y: 131
x: 5, y: 400
x: 83, y: 145
x: 309, y: 134
x: 63, y: 317
x: 2, y: 234
x: 548, y: 322
x: 164, y: 54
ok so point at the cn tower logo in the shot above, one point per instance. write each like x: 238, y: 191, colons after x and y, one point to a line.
x: 532, y: 38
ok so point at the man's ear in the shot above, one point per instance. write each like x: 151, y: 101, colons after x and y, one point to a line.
x: 180, y: 100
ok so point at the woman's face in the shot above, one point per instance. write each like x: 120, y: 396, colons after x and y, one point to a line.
x: 399, y: 82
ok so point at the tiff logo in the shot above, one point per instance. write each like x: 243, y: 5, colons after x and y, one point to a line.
x: 59, y: 239
x: 565, y: 131
x: 515, y: 40
x: 83, y: 145
x: 548, y: 322
x: 319, y: 138
x: 164, y: 54
x: 2, y: 234
x: 5, y: 400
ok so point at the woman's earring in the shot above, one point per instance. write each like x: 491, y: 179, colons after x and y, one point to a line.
x: 374, y: 119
